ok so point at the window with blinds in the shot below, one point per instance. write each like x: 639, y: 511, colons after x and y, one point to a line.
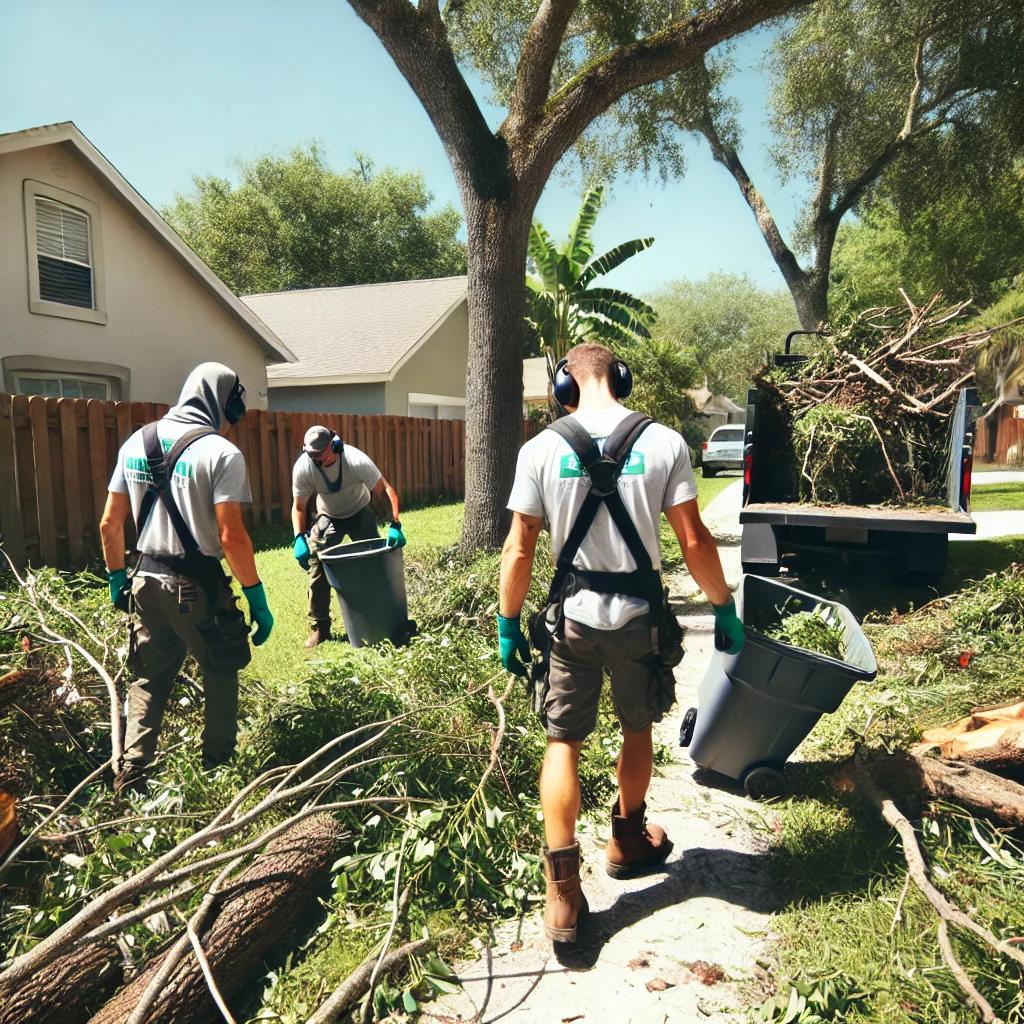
x: 64, y: 254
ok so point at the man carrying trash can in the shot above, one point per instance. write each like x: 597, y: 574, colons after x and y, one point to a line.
x: 185, y: 485
x: 601, y: 478
x: 343, y: 479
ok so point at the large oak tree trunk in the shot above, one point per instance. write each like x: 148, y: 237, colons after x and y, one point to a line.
x: 266, y: 902
x: 498, y: 232
x: 810, y: 296
x: 67, y: 991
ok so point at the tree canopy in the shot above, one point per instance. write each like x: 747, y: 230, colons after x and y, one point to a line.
x: 869, y: 97
x: 292, y: 222
x: 558, y: 66
x: 729, y: 324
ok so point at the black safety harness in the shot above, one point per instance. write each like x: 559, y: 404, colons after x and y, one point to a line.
x: 224, y: 628
x: 193, y: 564
x: 604, y: 470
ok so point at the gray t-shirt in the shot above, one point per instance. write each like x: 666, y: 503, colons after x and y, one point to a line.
x: 211, y: 471
x: 359, y: 476
x: 551, y: 484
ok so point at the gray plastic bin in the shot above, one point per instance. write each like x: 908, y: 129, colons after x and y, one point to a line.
x: 756, y: 707
x: 369, y: 578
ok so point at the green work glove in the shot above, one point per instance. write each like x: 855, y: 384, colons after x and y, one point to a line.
x: 117, y: 580
x: 729, y: 635
x: 514, y: 647
x: 259, y: 613
x: 396, y: 539
x: 301, y: 550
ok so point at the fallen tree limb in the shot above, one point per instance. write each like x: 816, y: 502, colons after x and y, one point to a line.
x: 357, y: 984
x: 255, y: 911
x: 68, y: 991
x: 930, y: 778
x: 914, y: 857
x: 984, y: 1007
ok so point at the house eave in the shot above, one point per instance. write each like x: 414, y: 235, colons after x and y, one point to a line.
x: 67, y: 132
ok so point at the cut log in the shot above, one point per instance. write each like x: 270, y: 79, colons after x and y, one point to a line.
x: 68, y: 991
x: 8, y: 821
x: 258, y: 909
x: 991, y: 738
x: 930, y: 778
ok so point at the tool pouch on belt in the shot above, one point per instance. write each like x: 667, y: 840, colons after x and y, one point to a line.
x: 666, y: 653
x: 544, y: 626
x: 227, y: 636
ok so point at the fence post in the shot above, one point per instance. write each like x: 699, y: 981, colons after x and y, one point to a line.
x: 12, y: 529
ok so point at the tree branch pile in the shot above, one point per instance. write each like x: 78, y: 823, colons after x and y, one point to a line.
x: 869, y: 415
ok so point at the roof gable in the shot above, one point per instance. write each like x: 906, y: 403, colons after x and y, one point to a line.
x: 358, y: 333
x: 67, y: 133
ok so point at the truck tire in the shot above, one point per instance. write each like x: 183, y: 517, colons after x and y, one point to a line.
x: 924, y: 560
x: 707, y: 472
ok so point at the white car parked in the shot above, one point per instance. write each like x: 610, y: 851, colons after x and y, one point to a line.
x: 723, y: 449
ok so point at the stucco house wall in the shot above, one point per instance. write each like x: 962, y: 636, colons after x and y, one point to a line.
x: 160, y: 319
x: 437, y: 370
x: 358, y: 399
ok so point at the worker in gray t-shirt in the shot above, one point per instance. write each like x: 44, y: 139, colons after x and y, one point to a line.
x: 602, y: 495
x: 180, y: 598
x: 342, y: 478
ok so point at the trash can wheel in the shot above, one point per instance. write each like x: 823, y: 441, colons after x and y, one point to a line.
x: 764, y: 783
x: 686, y: 727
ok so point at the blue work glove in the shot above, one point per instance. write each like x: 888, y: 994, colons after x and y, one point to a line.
x: 117, y: 580
x: 514, y: 647
x: 301, y: 550
x: 729, y: 635
x: 396, y: 539
x: 259, y: 613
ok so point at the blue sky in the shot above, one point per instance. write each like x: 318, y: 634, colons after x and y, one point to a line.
x: 168, y: 90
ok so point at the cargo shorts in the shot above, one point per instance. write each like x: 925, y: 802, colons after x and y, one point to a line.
x: 579, y: 659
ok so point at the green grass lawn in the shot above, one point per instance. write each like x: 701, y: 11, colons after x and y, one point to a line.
x: 284, y: 660
x: 970, y: 560
x: 997, y: 497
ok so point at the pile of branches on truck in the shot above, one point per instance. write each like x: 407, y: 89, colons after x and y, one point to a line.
x: 866, y: 419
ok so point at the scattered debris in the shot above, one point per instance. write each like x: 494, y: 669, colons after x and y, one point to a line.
x: 640, y: 961
x: 659, y: 985
x: 819, y: 631
x: 706, y: 974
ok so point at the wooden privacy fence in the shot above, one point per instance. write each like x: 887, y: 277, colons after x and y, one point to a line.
x: 56, y: 457
x: 1001, y: 435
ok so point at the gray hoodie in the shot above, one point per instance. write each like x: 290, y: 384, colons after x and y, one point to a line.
x: 204, y: 396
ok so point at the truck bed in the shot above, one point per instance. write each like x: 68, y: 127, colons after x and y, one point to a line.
x: 920, y: 519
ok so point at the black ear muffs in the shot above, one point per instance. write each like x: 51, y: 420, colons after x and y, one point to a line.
x: 566, y: 391
x: 337, y: 445
x: 234, y: 407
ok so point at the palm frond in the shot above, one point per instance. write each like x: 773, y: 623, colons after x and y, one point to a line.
x: 580, y: 246
x: 596, y: 328
x: 612, y: 258
x: 619, y: 298
x: 544, y: 255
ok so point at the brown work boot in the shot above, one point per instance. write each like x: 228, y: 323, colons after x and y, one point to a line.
x: 565, y: 900
x: 320, y: 632
x: 634, y: 846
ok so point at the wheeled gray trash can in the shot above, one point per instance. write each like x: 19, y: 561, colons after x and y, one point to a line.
x: 756, y: 707
x: 369, y: 578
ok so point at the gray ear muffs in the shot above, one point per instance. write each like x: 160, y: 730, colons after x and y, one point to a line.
x: 566, y: 391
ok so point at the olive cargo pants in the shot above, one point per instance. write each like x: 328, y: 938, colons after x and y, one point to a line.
x: 169, y: 610
x: 327, y: 532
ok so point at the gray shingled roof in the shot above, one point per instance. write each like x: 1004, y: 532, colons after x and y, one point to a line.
x: 357, y: 331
